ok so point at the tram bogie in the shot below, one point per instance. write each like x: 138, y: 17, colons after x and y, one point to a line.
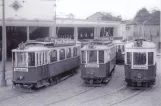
x: 36, y: 64
x: 140, y: 63
x: 97, y: 62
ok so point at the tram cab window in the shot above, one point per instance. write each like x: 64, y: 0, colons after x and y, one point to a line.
x: 75, y: 51
x: 91, y: 56
x: 53, y: 56
x: 139, y: 58
x: 62, y: 54
x: 68, y: 52
x: 21, y: 59
x: 101, y: 56
x: 83, y: 56
x: 31, y: 59
x: 129, y: 57
x: 150, y: 58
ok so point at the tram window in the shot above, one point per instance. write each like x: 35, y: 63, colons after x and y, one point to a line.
x: 62, y: 54
x: 91, y: 56
x: 83, y: 56
x: 150, y: 58
x: 68, y: 52
x: 21, y: 59
x: 128, y: 57
x: 123, y: 48
x: 74, y: 51
x: 139, y: 58
x: 101, y: 56
x: 53, y: 56
x: 31, y: 59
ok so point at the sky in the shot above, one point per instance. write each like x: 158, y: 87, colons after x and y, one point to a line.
x: 44, y: 9
x: 84, y: 8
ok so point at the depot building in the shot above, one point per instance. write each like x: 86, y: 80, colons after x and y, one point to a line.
x: 23, y: 23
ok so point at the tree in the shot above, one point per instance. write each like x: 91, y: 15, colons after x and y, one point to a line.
x: 110, y: 17
x: 70, y: 16
x: 142, y: 15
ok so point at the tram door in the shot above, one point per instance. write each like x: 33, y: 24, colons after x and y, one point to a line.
x: 42, y: 64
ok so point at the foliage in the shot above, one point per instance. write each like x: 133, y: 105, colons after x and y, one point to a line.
x: 110, y: 17
x: 144, y: 15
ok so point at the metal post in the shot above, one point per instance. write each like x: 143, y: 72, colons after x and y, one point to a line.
x: 3, y: 81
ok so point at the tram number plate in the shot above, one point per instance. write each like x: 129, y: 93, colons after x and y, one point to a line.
x: 91, y: 65
x: 21, y: 69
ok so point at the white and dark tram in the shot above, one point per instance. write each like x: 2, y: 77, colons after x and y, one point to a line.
x: 42, y: 62
x: 140, y: 63
x: 98, y: 60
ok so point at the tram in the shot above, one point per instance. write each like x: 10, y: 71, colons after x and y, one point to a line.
x: 98, y: 60
x: 44, y: 61
x: 140, y: 63
x: 120, y: 50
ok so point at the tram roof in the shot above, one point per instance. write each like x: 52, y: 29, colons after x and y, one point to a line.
x: 98, y: 46
x: 145, y: 44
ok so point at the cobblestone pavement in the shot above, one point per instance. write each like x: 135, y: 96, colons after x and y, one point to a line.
x: 72, y: 92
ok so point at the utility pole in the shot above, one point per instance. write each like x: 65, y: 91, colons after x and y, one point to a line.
x: 3, y: 82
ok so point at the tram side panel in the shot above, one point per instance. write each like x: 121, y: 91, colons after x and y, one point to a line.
x: 63, y: 66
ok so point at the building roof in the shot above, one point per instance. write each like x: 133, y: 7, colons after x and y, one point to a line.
x: 59, y: 22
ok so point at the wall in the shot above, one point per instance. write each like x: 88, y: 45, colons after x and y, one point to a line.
x: 29, y: 10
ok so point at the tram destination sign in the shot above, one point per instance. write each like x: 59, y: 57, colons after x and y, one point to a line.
x: 59, y: 42
x: 92, y: 65
x: 21, y: 69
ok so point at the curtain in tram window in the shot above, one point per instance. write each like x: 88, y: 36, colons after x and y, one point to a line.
x: 62, y: 54
x: 53, y: 56
x: 68, y: 52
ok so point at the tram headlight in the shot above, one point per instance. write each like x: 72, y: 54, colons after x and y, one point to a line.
x: 21, y: 77
x: 139, y: 75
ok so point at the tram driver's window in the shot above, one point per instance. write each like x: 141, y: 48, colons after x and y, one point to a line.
x: 75, y: 51
x: 150, y: 58
x: 83, y: 56
x: 139, y: 58
x: 101, y: 56
x: 21, y: 59
x: 31, y: 59
x: 53, y: 56
x: 68, y: 52
x: 92, y: 56
x: 62, y: 54
x: 129, y: 57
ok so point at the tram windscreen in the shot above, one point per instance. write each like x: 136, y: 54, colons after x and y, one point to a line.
x: 101, y: 56
x: 83, y: 56
x: 91, y: 56
x: 150, y: 58
x: 31, y: 59
x: 139, y: 58
x: 21, y: 59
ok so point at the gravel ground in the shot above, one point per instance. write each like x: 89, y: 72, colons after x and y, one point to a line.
x: 72, y: 92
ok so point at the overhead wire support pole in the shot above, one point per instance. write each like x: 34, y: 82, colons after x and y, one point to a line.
x: 3, y: 81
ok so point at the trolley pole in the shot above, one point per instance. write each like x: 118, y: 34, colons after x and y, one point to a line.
x: 3, y: 81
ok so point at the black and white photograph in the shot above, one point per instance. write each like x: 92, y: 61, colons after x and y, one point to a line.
x: 80, y: 53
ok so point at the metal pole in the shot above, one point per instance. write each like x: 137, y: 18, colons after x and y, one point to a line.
x: 3, y: 81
